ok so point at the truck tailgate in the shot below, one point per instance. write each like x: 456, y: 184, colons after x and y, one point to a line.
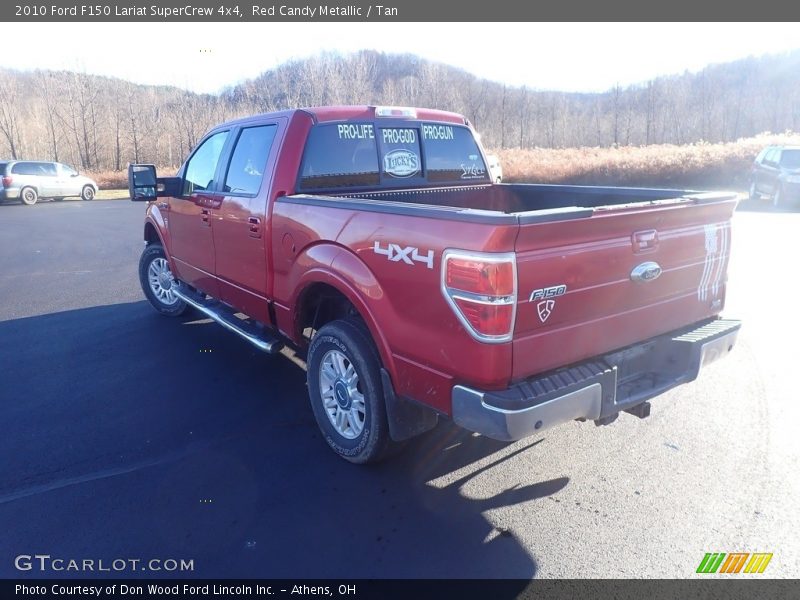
x: 616, y: 276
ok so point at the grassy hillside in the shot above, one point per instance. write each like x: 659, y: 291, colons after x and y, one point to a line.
x: 700, y: 165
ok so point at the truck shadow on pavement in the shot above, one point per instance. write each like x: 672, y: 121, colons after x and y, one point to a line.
x: 133, y: 435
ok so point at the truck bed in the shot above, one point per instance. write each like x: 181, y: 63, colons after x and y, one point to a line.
x: 524, y: 198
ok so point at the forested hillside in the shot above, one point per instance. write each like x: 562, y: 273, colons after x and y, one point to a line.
x: 101, y: 123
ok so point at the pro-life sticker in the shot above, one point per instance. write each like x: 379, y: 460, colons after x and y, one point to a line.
x: 401, y: 163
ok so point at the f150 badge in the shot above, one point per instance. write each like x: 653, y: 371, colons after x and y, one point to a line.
x: 546, y: 306
x: 408, y: 255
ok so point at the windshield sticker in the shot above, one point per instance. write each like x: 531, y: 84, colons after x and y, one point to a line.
x: 401, y: 163
x: 437, y: 132
x: 472, y: 171
x: 363, y: 131
x: 399, y: 136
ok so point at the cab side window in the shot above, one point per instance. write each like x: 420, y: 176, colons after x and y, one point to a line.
x: 67, y: 170
x: 26, y: 168
x: 202, y: 166
x: 771, y: 159
x: 249, y: 160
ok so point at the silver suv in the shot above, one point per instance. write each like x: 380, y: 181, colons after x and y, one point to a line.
x: 29, y: 180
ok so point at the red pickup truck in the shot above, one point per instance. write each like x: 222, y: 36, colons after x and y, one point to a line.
x: 373, y: 242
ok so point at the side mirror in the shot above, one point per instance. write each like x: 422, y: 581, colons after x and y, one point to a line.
x: 73, y: 175
x: 142, y: 182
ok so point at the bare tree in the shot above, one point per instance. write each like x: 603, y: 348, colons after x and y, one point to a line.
x: 46, y: 86
x: 10, y: 100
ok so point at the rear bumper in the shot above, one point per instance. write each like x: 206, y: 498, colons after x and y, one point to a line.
x: 9, y: 194
x: 596, y: 389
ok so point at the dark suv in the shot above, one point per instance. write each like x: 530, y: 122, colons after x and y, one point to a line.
x: 776, y: 174
x: 29, y: 180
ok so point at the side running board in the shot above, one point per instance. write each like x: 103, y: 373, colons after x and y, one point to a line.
x: 226, y: 316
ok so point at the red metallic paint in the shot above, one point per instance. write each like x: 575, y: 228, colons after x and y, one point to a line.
x: 422, y: 344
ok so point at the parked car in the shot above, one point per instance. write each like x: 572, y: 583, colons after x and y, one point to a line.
x: 29, y: 180
x: 776, y: 175
x: 495, y: 168
x: 373, y: 242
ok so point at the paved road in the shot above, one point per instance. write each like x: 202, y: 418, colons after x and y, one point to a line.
x: 128, y: 435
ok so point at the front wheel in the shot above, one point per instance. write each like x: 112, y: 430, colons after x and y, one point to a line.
x: 754, y: 195
x: 158, y: 283
x: 87, y: 193
x: 777, y: 197
x: 344, y: 385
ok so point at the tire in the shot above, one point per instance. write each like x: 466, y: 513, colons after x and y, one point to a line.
x: 777, y: 197
x: 753, y: 194
x: 28, y: 196
x: 334, y: 389
x: 156, y: 280
x: 87, y: 193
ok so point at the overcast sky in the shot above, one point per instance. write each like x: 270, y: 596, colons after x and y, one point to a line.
x: 568, y: 56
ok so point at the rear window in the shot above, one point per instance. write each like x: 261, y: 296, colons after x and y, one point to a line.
x: 390, y: 154
x: 452, y: 155
x: 790, y: 159
x: 343, y: 155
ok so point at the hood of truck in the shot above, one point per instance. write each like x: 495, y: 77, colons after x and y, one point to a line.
x: 616, y: 276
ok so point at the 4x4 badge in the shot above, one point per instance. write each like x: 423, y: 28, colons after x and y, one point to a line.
x: 545, y: 309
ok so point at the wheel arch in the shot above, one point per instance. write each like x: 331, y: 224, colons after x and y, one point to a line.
x: 406, y: 419
x: 151, y: 234
x: 340, y: 277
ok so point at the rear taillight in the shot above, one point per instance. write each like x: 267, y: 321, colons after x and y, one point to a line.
x: 7, y: 181
x: 481, y: 288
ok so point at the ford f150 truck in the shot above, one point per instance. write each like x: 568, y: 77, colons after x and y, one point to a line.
x: 373, y: 242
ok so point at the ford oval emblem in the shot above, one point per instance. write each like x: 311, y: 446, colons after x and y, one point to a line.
x: 647, y: 271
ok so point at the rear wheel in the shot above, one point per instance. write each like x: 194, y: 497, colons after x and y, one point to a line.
x: 344, y: 385
x: 158, y: 283
x: 29, y: 196
x: 87, y: 193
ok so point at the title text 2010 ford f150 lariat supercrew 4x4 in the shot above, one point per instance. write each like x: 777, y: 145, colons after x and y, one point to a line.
x: 373, y: 241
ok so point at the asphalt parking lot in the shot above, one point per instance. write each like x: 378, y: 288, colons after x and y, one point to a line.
x: 129, y: 435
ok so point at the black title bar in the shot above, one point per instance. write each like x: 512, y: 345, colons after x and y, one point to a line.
x: 399, y: 11
x: 394, y: 589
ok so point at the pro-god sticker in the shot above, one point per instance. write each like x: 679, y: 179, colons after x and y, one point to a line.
x: 401, y: 163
